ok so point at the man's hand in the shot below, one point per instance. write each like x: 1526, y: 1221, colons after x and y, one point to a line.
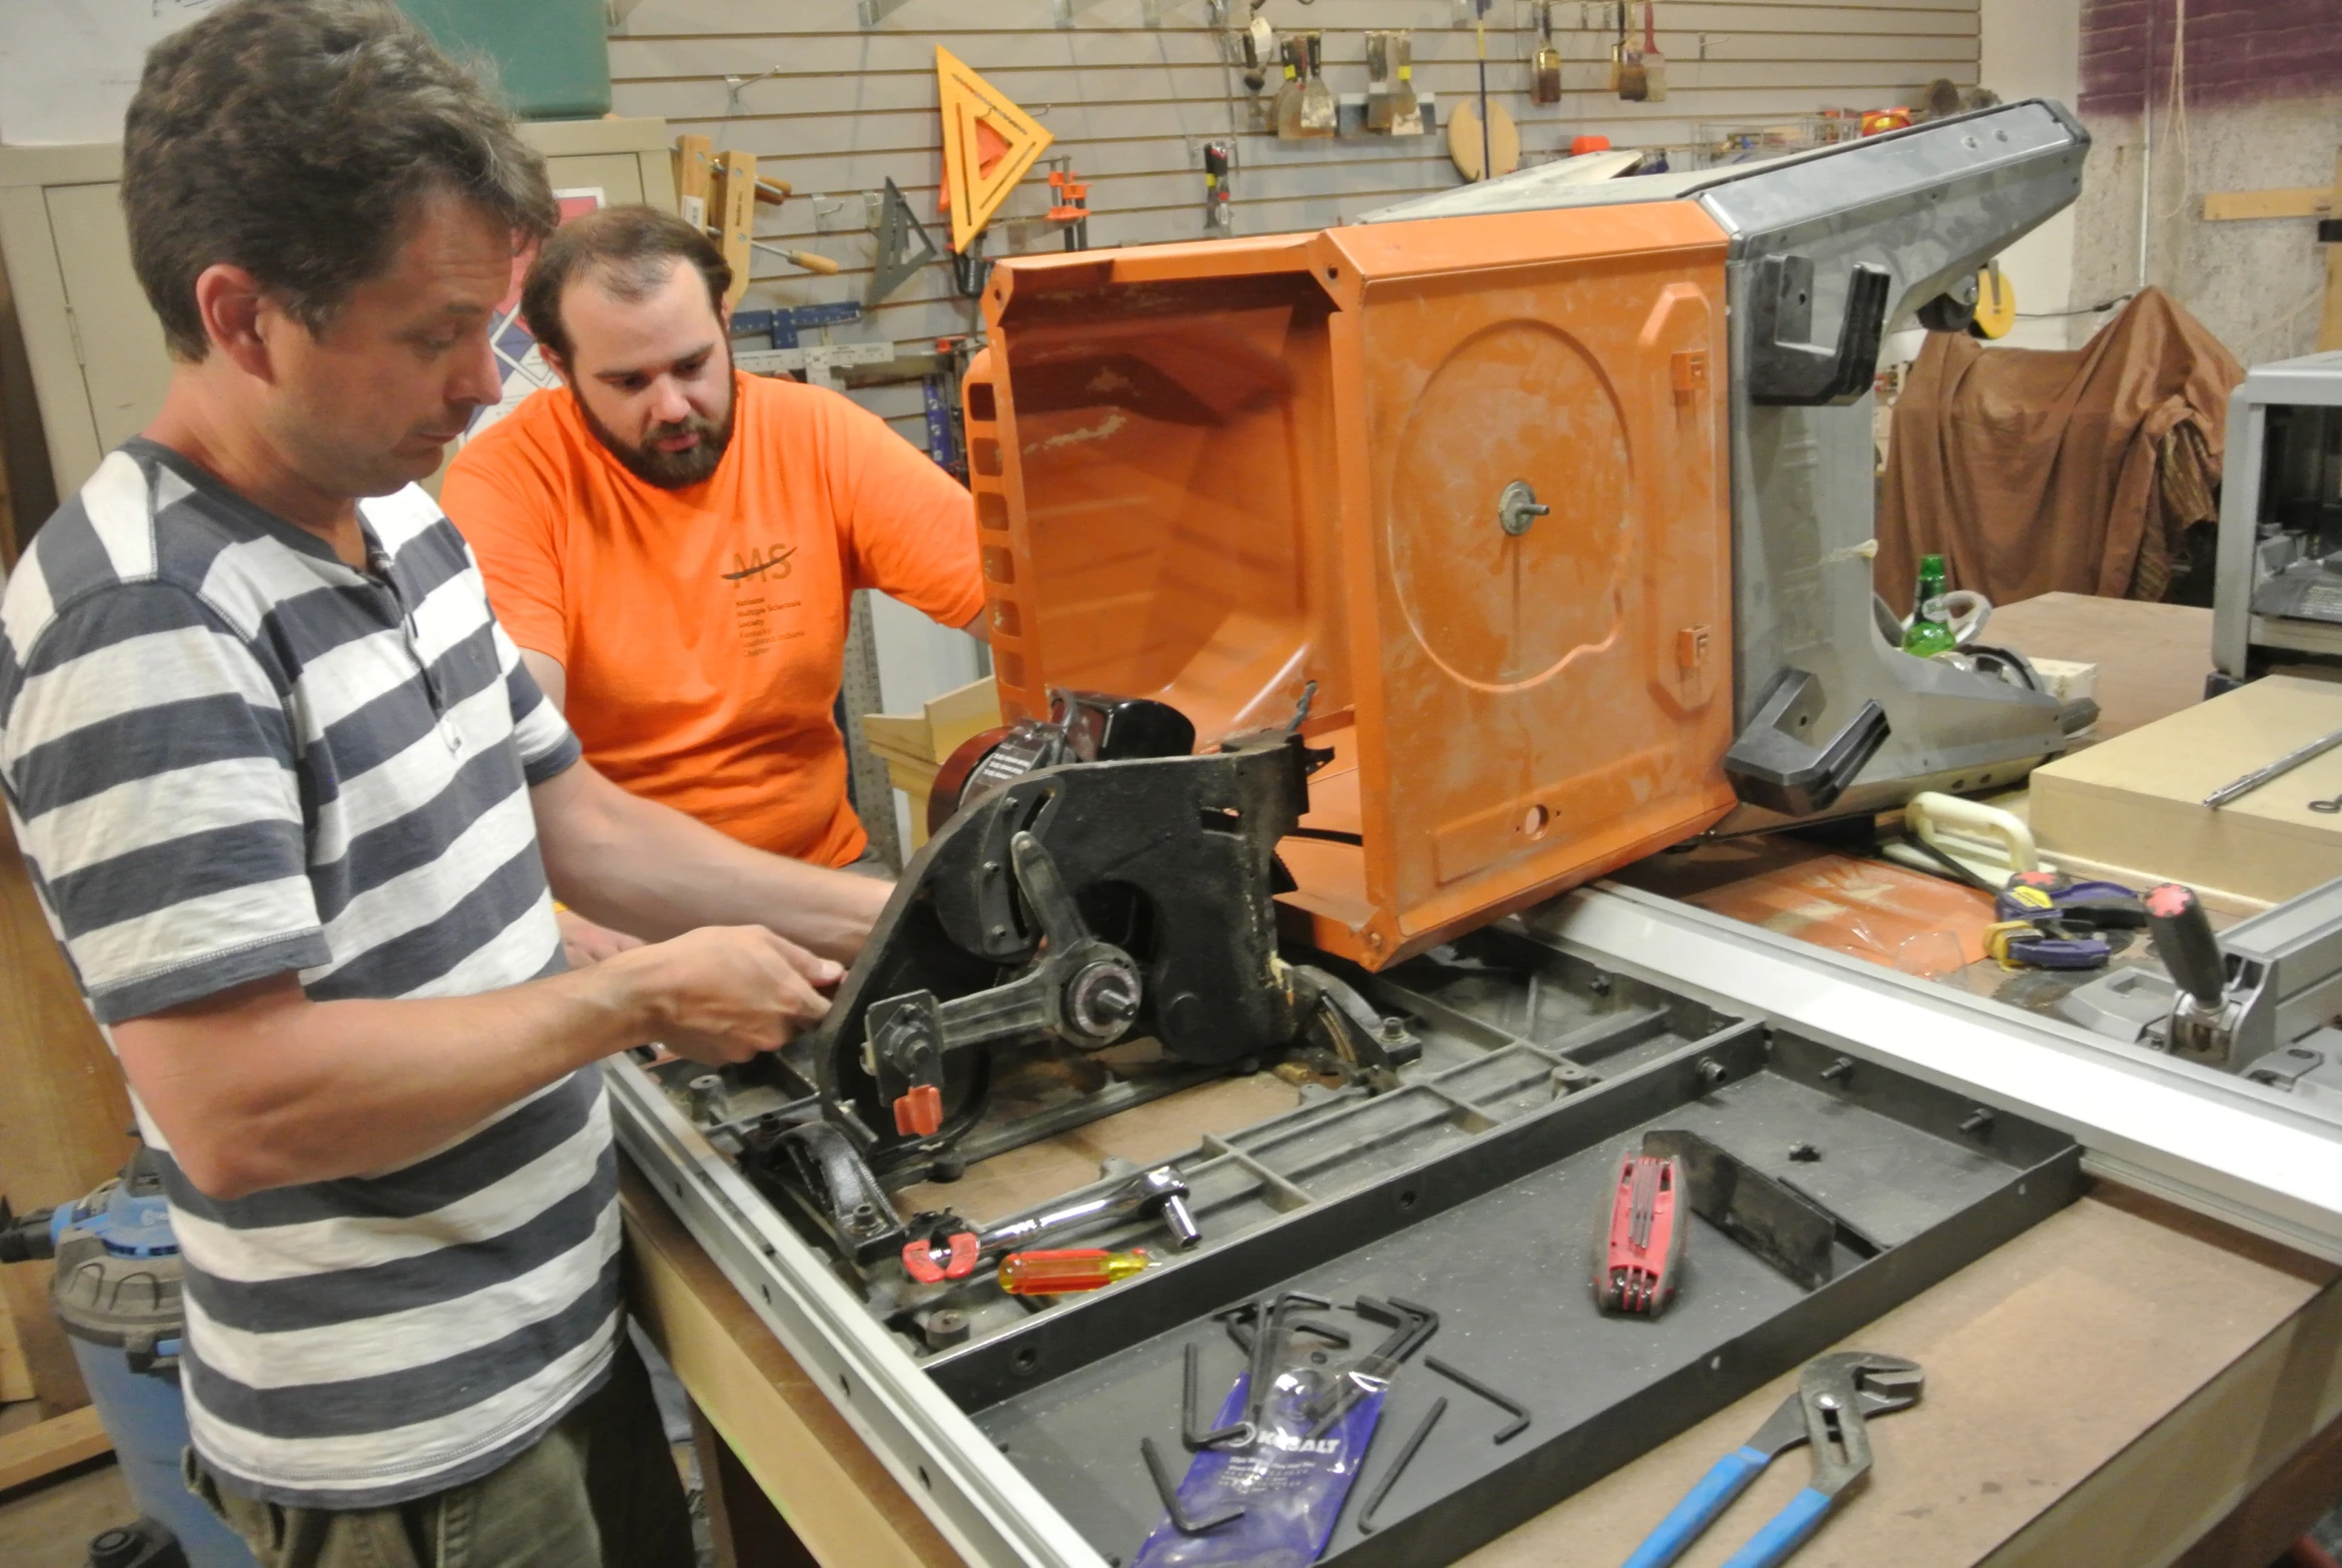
x: 583, y: 943
x: 724, y: 994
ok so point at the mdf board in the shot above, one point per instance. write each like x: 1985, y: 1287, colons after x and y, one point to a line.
x: 2136, y: 800
x: 96, y: 350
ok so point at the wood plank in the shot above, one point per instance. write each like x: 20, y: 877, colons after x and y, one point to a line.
x: 48, y: 1354
x: 845, y: 1507
x: 2303, y: 201
x: 2151, y: 658
x: 2138, y: 799
x: 2330, y: 315
x: 64, y: 1115
x: 49, y: 1447
x: 743, y: 1526
x: 16, y: 1374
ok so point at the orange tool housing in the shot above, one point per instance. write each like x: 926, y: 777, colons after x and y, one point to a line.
x: 1210, y: 474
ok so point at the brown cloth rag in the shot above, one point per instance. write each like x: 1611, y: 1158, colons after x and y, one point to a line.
x: 2030, y: 470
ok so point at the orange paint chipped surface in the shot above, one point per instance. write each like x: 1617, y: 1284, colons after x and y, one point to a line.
x: 1884, y: 914
x: 1220, y: 471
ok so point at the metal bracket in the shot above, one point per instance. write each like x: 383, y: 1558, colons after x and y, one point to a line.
x: 874, y: 12
x: 1770, y: 766
x: 1788, y: 370
x: 819, y: 365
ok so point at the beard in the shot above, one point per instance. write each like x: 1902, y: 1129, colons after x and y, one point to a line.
x: 669, y: 471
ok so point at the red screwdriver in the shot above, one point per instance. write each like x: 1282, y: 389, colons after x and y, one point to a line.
x: 1064, y: 1271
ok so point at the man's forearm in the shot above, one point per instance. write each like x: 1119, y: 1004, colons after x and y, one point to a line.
x: 262, y: 1088
x: 653, y: 871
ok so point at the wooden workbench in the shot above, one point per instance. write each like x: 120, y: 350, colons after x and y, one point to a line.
x: 2126, y: 1383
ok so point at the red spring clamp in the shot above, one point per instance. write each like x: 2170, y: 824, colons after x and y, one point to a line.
x: 1641, y: 1247
x: 932, y: 1260
x: 920, y: 1113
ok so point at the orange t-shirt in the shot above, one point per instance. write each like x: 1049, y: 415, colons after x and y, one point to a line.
x: 704, y: 630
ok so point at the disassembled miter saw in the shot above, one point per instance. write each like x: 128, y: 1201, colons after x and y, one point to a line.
x: 1351, y: 591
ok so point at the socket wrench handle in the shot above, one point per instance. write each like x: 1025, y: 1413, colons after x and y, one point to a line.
x: 2184, y: 941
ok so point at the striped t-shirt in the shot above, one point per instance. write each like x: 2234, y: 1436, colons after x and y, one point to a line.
x: 227, y: 755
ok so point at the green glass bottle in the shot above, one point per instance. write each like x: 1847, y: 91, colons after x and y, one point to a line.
x: 1929, y: 631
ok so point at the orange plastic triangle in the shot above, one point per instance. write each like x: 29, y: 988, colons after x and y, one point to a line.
x: 989, y: 145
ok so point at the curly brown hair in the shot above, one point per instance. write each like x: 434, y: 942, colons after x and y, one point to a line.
x: 294, y: 139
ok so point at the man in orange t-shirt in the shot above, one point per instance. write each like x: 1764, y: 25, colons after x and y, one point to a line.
x: 672, y: 544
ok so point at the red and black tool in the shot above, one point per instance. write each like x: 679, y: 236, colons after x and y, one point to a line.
x: 945, y: 1249
x: 1640, y: 1250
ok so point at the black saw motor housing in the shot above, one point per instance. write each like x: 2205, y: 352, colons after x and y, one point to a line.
x: 1170, y: 861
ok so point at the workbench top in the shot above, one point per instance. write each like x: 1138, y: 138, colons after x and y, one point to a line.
x: 2125, y: 1383
x: 2108, y: 1389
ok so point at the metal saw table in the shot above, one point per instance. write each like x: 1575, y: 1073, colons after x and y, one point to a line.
x: 2122, y: 1384
x: 2125, y: 1382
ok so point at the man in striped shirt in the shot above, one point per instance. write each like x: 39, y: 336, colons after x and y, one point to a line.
x: 291, y: 803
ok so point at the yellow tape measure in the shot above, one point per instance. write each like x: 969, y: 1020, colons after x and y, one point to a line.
x: 1995, y: 303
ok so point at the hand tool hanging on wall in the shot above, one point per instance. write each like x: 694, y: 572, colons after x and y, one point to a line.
x: 1219, y: 218
x: 1995, y: 303
x: 897, y: 225
x: 989, y: 145
x: 1070, y: 206
x: 1634, y: 84
x: 1545, y: 69
x: 1483, y: 142
x: 1654, y: 63
x: 1835, y: 1396
x: 1261, y: 62
x: 1480, y: 37
x: 1304, y: 105
x: 1391, y: 105
x: 720, y: 192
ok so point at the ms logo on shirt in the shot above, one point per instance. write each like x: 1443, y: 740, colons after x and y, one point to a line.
x: 767, y: 565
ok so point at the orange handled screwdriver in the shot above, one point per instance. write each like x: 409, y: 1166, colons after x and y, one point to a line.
x: 1064, y: 1272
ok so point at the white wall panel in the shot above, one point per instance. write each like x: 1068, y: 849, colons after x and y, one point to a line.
x: 837, y: 109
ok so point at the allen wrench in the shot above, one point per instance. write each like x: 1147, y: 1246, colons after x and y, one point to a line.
x: 1411, y: 1327
x: 1407, y: 1456
x: 1519, y: 1412
x: 1190, y: 1413
x: 1168, y: 1491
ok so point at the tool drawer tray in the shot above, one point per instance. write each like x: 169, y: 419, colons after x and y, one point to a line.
x: 1496, y: 1238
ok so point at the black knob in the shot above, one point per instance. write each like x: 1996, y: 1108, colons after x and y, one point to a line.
x: 2184, y: 941
x: 116, y: 1548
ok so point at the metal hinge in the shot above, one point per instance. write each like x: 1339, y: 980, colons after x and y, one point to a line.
x: 73, y: 325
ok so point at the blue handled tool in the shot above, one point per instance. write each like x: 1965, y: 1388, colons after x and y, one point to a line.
x: 1835, y: 1395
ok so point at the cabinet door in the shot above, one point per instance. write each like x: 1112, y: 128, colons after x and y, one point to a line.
x: 114, y: 382
x: 618, y: 176
x: 124, y: 366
